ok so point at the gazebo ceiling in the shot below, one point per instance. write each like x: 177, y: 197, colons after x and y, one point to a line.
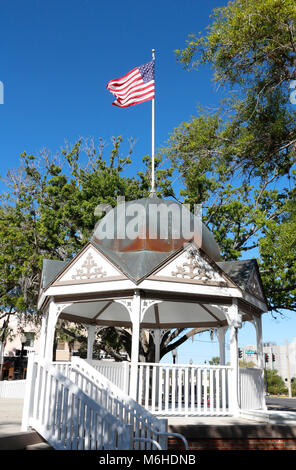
x: 163, y: 314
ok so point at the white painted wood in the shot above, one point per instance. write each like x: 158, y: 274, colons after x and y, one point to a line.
x: 224, y: 391
x: 221, y: 338
x: 181, y: 262
x: 217, y: 390
x: 192, y: 388
x: 234, y: 403
x: 116, y: 372
x: 173, y: 404
x: 89, y: 265
x: 92, y: 287
x: 183, y: 389
x: 189, y: 288
x: 118, y: 402
x: 251, y: 388
x: 234, y: 319
x: 12, y: 388
x: 72, y: 414
x: 186, y: 390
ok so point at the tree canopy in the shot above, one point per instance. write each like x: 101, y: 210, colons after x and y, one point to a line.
x: 239, y: 160
x: 250, y: 45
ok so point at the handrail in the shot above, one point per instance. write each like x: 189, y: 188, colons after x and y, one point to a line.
x: 118, y: 400
x: 146, y: 439
x: 111, y: 387
x: 66, y: 416
x: 178, y: 436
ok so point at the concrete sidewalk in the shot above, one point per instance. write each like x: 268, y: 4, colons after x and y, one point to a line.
x: 11, y: 410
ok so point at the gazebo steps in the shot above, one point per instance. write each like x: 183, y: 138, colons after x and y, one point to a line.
x: 238, y: 434
x: 270, y: 416
x: 29, y: 440
x: 39, y: 446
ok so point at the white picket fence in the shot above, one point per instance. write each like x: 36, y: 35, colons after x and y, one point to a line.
x: 65, y: 416
x: 84, y: 410
x: 174, y: 389
x: 117, y: 372
x: 12, y: 388
x: 251, y: 388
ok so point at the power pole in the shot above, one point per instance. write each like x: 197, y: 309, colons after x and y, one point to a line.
x: 288, y: 369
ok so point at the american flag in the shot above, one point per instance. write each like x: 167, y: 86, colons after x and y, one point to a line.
x: 134, y: 87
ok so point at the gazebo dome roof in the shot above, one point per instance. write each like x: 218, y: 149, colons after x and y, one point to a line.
x: 138, y: 235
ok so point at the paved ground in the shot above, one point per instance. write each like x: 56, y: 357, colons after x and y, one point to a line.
x: 282, y: 404
x: 209, y: 421
x: 10, y: 415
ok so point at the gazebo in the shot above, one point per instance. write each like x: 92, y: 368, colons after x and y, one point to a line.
x: 146, y: 267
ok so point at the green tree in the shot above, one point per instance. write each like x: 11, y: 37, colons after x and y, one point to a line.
x: 239, y: 161
x: 214, y: 361
x: 275, y: 384
x: 248, y: 216
x: 250, y: 45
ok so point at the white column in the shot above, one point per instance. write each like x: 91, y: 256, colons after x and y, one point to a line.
x: 43, y: 334
x: 234, y: 320
x: 135, y: 312
x: 91, y: 335
x: 49, y: 322
x: 136, y: 319
x: 221, y: 338
x: 157, y: 335
x: 234, y: 364
x: 257, y: 322
x: 53, y: 313
x: 157, y: 340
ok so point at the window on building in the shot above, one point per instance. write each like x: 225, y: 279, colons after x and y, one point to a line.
x: 30, y: 337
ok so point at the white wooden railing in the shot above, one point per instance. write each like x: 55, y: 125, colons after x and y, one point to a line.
x: 144, y: 424
x: 12, y: 388
x: 117, y: 372
x: 167, y: 389
x: 65, y: 416
x: 84, y: 410
x: 251, y: 388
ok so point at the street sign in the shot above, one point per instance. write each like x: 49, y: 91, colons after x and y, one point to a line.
x: 250, y: 351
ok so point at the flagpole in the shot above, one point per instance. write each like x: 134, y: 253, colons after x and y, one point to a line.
x: 153, y: 140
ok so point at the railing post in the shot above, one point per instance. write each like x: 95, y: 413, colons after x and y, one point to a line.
x: 163, y: 428
x: 234, y: 320
x: 257, y: 321
x: 29, y: 393
x: 126, y: 377
x: 234, y: 377
x: 125, y: 438
x: 135, y: 317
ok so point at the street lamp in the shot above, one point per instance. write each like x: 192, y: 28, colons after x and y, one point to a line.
x: 174, y: 353
x: 23, y: 341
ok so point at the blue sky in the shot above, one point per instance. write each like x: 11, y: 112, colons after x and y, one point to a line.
x: 56, y: 59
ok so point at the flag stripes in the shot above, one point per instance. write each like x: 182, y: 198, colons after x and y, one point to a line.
x: 135, y: 87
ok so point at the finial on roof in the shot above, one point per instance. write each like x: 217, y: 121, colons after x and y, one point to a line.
x: 152, y: 193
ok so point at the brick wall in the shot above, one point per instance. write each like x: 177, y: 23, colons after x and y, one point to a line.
x: 234, y: 444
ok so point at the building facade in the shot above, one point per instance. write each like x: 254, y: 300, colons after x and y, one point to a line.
x: 281, y: 358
